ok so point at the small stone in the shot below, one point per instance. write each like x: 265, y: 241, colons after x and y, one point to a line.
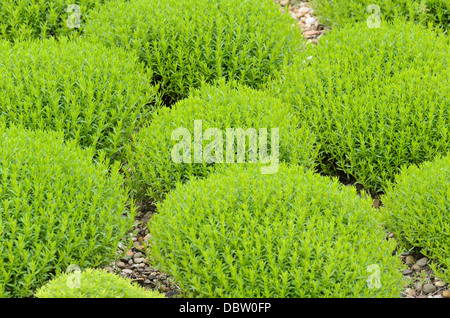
x: 147, y: 281
x: 410, y: 260
x: 429, y: 288
x: 405, y: 253
x: 152, y: 277
x: 410, y: 292
x: 407, y: 272
x: 129, y: 253
x: 146, y: 261
x: 121, y: 265
x: 310, y: 20
x: 418, y: 286
x: 438, y: 283
x: 127, y: 271
x: 376, y: 203
x: 137, y: 255
x: 416, y: 267
x: 312, y: 32
x: 140, y: 247
x: 138, y: 260
x: 446, y: 293
x: 130, y: 262
x: 165, y: 288
x: 422, y: 262
x: 170, y: 293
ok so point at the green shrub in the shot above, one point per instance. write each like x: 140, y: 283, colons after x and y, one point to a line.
x: 416, y: 209
x: 97, y: 96
x: 23, y: 19
x: 57, y: 208
x: 340, y: 12
x: 151, y: 154
x: 93, y: 284
x: 374, y: 98
x: 289, y: 234
x: 185, y: 41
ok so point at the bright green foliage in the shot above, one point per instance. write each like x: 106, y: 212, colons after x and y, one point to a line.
x: 375, y: 98
x: 289, y: 234
x: 417, y: 207
x: 97, y: 96
x: 340, y: 12
x: 92, y: 283
x: 185, y: 41
x: 223, y: 106
x: 24, y: 19
x: 56, y: 208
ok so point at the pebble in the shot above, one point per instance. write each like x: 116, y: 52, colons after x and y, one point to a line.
x: 429, y: 288
x: 416, y: 267
x: 407, y: 272
x: 418, y: 286
x: 410, y: 260
x: 127, y: 271
x: 137, y: 255
x: 422, y: 262
x: 410, y: 292
x: 121, y: 265
x: 138, y: 260
x: 310, y: 20
x: 129, y: 253
x: 446, y: 294
x: 438, y: 283
x: 130, y: 262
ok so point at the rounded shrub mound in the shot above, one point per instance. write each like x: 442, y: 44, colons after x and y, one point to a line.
x: 290, y: 234
x: 97, y: 96
x: 57, y: 208
x: 92, y: 283
x: 217, y: 126
x: 24, y: 19
x: 416, y: 209
x: 183, y: 42
x: 340, y: 12
x: 374, y: 98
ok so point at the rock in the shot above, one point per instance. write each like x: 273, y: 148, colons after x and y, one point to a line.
x: 170, y: 293
x: 418, y: 286
x: 127, y: 271
x: 138, y: 260
x: 422, y: 262
x: 137, y: 255
x: 129, y: 253
x: 415, y: 267
x: 147, y: 281
x: 407, y: 272
x: 310, y: 33
x: 446, y: 293
x: 429, y: 288
x: 405, y: 253
x: 410, y: 260
x: 130, y: 262
x: 438, y: 283
x: 410, y: 292
x: 310, y: 20
x: 121, y: 265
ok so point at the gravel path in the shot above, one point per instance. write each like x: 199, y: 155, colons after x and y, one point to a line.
x: 419, y: 279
